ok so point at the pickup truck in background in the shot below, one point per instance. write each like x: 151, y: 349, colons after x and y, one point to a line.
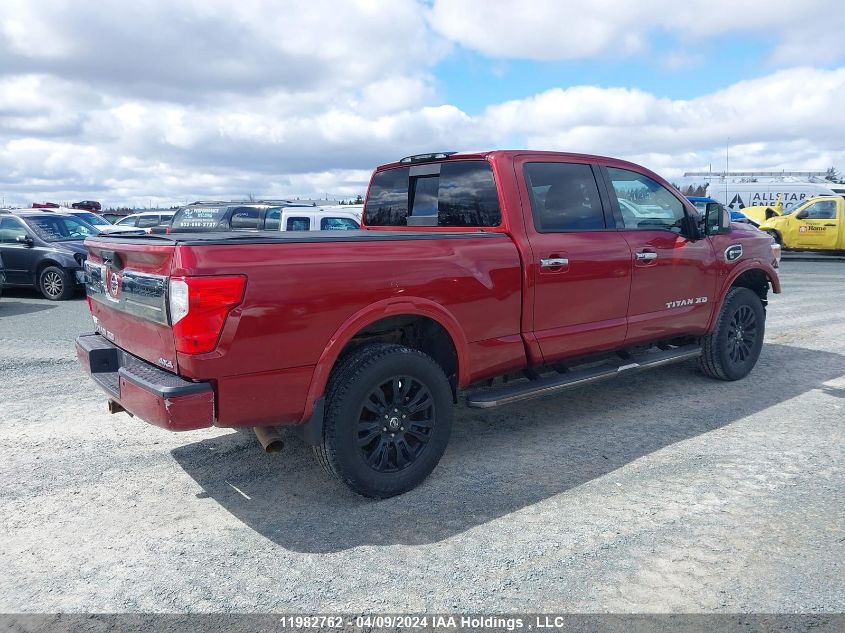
x: 816, y: 225
x: 498, y: 277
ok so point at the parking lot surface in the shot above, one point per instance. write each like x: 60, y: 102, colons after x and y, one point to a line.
x: 661, y: 491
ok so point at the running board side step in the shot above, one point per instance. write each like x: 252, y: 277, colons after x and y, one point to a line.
x: 486, y: 399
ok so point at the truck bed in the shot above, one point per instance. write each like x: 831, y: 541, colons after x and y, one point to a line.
x: 304, y: 292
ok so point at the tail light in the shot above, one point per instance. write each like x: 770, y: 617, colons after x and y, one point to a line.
x: 199, y: 307
x: 90, y: 304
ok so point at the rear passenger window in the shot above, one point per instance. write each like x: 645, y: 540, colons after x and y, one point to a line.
x: 564, y: 197
x: 244, y: 218
x: 644, y: 203
x: 146, y: 221
x: 459, y: 193
x: 338, y: 224
x: 298, y: 224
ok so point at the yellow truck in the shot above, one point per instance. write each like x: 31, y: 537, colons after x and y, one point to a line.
x: 817, y: 224
x: 758, y: 215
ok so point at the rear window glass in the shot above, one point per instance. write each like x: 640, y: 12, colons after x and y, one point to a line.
x: 198, y: 218
x: 338, y: 224
x: 298, y: 224
x: 459, y: 193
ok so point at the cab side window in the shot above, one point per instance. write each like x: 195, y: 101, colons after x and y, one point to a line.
x: 147, y: 221
x: 821, y: 210
x: 644, y: 203
x: 564, y: 197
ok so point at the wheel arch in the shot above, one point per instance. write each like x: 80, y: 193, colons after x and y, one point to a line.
x: 44, y: 263
x: 438, y: 333
x: 753, y: 275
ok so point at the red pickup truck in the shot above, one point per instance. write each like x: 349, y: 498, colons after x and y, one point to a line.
x: 498, y: 276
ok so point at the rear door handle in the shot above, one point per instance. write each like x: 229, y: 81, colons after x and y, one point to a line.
x: 830, y: 225
x: 646, y: 257
x: 554, y: 262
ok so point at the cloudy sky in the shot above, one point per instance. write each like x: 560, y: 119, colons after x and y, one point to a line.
x: 163, y: 101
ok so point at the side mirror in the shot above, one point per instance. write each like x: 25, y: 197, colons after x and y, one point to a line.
x: 717, y: 219
x: 24, y: 239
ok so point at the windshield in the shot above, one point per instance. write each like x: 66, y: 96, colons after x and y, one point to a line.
x: 701, y: 205
x: 57, y: 228
x: 797, y: 207
x: 93, y: 219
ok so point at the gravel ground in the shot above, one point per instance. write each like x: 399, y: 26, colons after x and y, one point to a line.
x: 661, y: 491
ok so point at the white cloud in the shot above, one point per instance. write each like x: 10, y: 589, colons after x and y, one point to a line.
x: 131, y: 150
x: 205, y: 98
x: 193, y: 49
x: 795, y: 108
x: 804, y: 32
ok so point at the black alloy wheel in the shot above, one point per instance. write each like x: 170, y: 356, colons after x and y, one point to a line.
x: 395, y: 423
x: 742, y: 334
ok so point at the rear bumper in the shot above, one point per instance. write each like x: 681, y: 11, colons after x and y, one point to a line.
x: 144, y: 390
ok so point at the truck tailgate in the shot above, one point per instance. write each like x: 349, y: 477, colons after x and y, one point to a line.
x: 127, y: 290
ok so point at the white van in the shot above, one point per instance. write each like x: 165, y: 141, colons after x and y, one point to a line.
x: 738, y: 195
x: 346, y: 217
x: 838, y: 189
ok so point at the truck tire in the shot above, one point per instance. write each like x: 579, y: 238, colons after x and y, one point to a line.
x: 776, y: 236
x: 388, y: 420
x: 731, y: 350
x: 55, y: 283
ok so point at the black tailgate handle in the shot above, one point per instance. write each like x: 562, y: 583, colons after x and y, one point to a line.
x: 112, y: 259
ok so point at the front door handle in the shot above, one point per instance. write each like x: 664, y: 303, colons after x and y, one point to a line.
x: 554, y: 262
x: 646, y: 257
x: 830, y: 225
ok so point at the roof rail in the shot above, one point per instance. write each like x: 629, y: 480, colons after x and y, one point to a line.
x: 424, y: 158
x: 287, y: 203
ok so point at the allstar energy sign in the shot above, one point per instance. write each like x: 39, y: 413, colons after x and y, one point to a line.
x: 763, y: 198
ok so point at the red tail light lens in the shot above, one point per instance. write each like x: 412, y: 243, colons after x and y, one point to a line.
x: 90, y: 305
x: 199, y: 307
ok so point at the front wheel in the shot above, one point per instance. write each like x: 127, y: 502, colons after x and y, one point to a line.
x: 388, y: 420
x: 55, y: 283
x: 731, y: 350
